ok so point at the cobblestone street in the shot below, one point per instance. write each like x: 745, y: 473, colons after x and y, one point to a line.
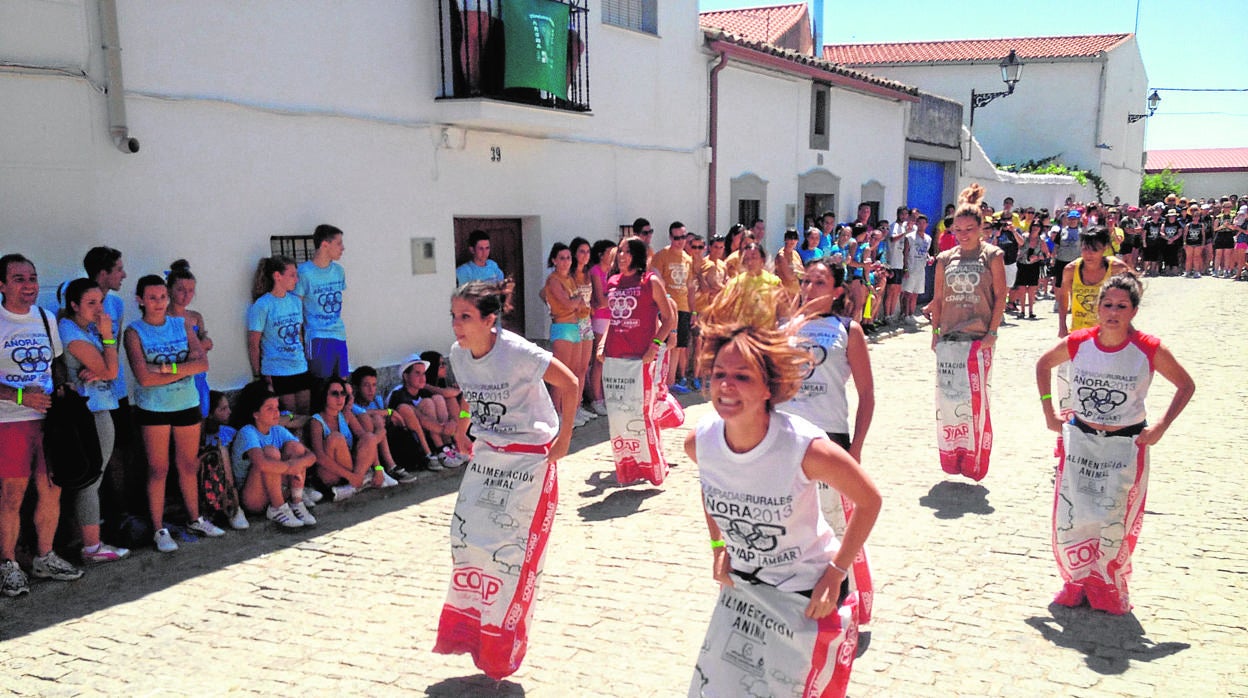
x: 964, y: 572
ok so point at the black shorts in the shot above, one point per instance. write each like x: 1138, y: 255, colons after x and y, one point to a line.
x: 1152, y: 253
x: 181, y: 418
x: 1058, y: 267
x: 684, y: 320
x: 894, y: 276
x: 841, y: 440
x: 289, y: 385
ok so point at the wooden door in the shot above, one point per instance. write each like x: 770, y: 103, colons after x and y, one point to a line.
x: 505, y: 250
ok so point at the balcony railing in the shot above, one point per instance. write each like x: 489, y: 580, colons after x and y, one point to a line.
x: 528, y: 51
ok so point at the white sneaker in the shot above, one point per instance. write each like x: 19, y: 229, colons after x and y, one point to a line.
x: 312, y: 496
x: 435, y: 463
x: 206, y: 527
x: 300, y: 510
x: 452, y: 458
x: 387, y: 481
x: 342, y: 492
x: 582, y: 413
x: 578, y: 420
x: 238, y: 521
x: 164, y: 541
x: 283, y: 517
x: 599, y: 408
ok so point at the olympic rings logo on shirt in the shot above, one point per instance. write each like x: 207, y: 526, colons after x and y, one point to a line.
x: 621, y: 307
x: 1103, y: 400
x: 35, y: 359
x: 756, y: 536
x: 289, y: 332
x: 962, y: 282
x: 818, y: 355
x: 168, y: 358
x: 331, y: 302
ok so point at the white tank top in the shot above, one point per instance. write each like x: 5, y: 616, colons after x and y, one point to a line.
x: 821, y: 399
x: 765, y: 506
x: 1108, y: 386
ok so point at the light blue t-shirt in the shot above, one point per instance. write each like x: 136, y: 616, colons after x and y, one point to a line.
x: 224, y: 436
x: 469, y: 271
x: 99, y: 394
x: 161, y: 345
x: 116, y: 307
x: 280, y: 324
x: 343, y: 429
x: 249, y: 437
x: 321, y: 291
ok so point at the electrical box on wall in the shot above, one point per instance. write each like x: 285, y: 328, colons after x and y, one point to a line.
x: 424, y: 257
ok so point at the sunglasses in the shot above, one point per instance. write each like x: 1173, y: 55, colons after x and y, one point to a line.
x: 699, y: 247
x: 678, y: 238
x: 336, y: 393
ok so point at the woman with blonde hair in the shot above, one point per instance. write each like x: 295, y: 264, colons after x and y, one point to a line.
x: 773, y: 553
x: 967, y: 308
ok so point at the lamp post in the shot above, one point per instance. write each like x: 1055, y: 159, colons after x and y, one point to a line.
x: 1011, y: 72
x: 1153, y: 100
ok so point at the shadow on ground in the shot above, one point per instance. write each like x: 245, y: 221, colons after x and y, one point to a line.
x: 953, y: 500
x: 473, y: 687
x: 1109, y: 642
x: 146, y: 571
x: 617, y: 504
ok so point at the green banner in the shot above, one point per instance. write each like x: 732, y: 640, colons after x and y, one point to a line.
x: 537, y: 45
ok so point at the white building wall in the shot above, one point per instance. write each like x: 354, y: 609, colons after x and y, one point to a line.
x: 1035, y: 190
x: 267, y: 118
x: 1203, y: 185
x: 1126, y: 92
x: 1025, y: 125
x: 764, y: 129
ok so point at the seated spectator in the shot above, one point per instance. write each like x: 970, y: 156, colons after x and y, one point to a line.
x: 269, y: 460
x: 419, y: 421
x: 369, y: 408
x: 91, y: 351
x: 217, y: 491
x: 347, y: 458
x: 480, y: 267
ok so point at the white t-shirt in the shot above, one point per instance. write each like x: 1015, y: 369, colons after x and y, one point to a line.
x: 897, y: 245
x: 26, y: 353
x: 821, y: 399
x: 505, y: 391
x: 765, y: 506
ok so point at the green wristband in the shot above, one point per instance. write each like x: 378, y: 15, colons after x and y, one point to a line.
x: 717, y: 544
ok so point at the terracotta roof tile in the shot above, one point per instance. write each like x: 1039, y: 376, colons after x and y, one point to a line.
x: 972, y: 50
x: 1199, y: 160
x: 763, y: 24
x: 713, y: 34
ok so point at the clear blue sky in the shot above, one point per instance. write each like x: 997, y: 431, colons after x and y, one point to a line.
x: 1192, y: 44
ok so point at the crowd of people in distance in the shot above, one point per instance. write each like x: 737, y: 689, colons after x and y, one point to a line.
x: 773, y: 340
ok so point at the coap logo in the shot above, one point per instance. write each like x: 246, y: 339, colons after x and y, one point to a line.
x: 474, y: 581
x: 962, y: 282
x: 1083, y: 554
x: 289, y: 332
x: 959, y: 431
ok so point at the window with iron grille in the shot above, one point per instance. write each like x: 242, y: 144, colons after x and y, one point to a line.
x: 298, y: 247
x: 530, y: 59
x: 748, y: 211
x: 819, y: 117
x: 638, y: 15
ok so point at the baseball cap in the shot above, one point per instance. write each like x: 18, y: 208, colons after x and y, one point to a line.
x: 411, y: 361
x: 1171, y: 212
x: 1072, y: 214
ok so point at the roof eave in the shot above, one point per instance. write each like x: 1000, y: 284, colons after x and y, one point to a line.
x: 768, y: 60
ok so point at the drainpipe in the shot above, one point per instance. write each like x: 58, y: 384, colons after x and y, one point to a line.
x: 115, y: 92
x: 713, y: 139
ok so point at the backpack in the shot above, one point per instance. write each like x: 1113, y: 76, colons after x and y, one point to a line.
x: 215, y: 493
x: 71, y: 445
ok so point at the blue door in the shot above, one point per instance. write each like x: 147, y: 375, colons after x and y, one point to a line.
x: 925, y: 191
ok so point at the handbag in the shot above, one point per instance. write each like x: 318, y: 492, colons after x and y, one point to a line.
x: 71, y: 444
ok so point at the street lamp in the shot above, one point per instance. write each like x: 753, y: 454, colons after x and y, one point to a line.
x: 1153, y: 100
x: 1011, y: 72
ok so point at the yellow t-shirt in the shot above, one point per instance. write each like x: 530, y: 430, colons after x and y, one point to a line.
x: 674, y: 267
